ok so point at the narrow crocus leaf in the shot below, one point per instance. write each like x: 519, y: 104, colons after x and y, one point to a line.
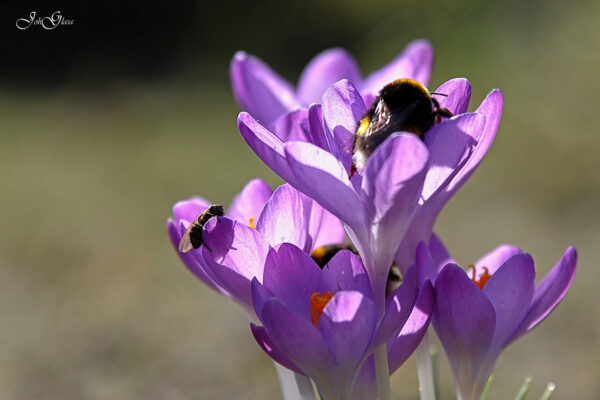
x: 524, y: 389
x: 550, y: 389
x: 486, y: 389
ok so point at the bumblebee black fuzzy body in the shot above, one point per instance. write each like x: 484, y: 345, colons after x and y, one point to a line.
x: 403, y: 105
x: 192, y: 238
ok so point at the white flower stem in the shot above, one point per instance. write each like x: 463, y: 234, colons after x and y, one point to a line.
x: 425, y: 370
x: 382, y: 373
x: 294, y: 386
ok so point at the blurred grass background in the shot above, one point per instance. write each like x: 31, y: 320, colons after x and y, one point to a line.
x: 105, y: 124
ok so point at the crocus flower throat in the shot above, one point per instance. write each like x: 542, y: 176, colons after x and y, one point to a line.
x: 318, y: 302
x: 483, y: 278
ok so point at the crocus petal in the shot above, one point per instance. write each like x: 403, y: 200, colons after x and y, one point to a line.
x: 264, y: 341
x: 549, y: 293
x: 196, y: 265
x: 391, y: 185
x: 324, y: 227
x: 404, y: 343
x: 399, y: 305
x: 428, y: 268
x: 318, y: 135
x: 495, y: 259
x: 345, y: 271
x: 297, y: 339
x: 250, y: 202
x: 188, y: 210
x: 393, y: 176
x: 458, y: 94
x: 491, y: 109
x: 438, y: 250
x: 292, y: 126
x: 510, y: 290
x: 234, y: 253
x: 260, y: 295
x: 259, y: 90
x: 320, y: 175
x: 282, y: 218
x: 449, y: 143
x: 464, y: 320
x: 415, y: 62
x: 267, y: 146
x: 325, y: 69
x: 290, y: 274
x: 343, y: 107
x: 347, y: 324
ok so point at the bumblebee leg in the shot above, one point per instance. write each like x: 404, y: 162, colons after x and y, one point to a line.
x: 352, y: 171
x: 444, y: 112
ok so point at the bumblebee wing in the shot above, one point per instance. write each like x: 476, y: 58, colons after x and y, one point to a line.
x: 185, y: 244
x: 385, y: 122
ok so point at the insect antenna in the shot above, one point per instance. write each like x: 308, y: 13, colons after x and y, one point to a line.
x: 439, y: 94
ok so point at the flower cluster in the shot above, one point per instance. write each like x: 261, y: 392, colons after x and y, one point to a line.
x: 311, y: 261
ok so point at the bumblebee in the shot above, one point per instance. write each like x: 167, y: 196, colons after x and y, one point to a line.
x: 192, y: 238
x: 322, y: 255
x: 403, y: 105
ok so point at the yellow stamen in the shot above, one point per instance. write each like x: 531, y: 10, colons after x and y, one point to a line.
x: 251, y: 223
x: 485, y: 276
x: 317, y: 304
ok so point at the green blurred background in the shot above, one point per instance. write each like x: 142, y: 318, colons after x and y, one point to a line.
x: 107, y: 123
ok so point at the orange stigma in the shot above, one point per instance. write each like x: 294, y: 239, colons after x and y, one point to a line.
x: 482, y: 279
x: 317, y: 304
x: 251, y: 223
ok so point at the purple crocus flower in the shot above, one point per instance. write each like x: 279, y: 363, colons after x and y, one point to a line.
x: 401, y: 179
x: 257, y: 219
x: 267, y: 96
x: 480, y: 311
x: 323, y: 322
